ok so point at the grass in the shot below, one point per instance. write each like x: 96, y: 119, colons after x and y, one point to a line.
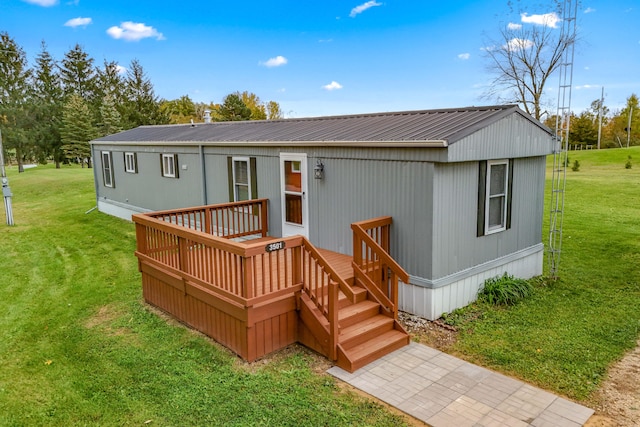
x: 565, y: 336
x: 79, y: 346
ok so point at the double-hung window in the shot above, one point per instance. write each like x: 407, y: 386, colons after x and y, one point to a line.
x: 169, y: 164
x: 107, y: 169
x: 494, y: 196
x: 496, y: 199
x: 241, y: 179
x: 130, y: 162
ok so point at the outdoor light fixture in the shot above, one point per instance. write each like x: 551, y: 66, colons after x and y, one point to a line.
x: 318, y: 170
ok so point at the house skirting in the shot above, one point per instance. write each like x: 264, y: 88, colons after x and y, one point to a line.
x: 432, y: 298
x: 118, y: 209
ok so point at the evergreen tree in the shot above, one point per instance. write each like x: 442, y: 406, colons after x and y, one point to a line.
x: 233, y: 109
x: 16, y: 115
x: 78, y: 74
x: 48, y: 97
x: 110, y: 117
x: 77, y: 130
x: 141, y: 106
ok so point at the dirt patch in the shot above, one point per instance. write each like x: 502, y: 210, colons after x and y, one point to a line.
x: 105, y: 318
x: 617, y: 402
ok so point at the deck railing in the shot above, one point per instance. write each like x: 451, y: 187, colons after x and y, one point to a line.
x: 374, y: 268
x: 229, y: 220
x: 244, y: 273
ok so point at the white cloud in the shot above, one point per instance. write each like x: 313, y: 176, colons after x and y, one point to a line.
x: 120, y: 69
x: 134, y: 31
x: 464, y: 56
x: 43, y: 3
x: 364, y: 6
x: 275, y: 62
x: 518, y: 44
x: 514, y: 27
x: 587, y: 87
x: 548, y: 19
x: 332, y: 86
x: 78, y: 22
x: 589, y: 10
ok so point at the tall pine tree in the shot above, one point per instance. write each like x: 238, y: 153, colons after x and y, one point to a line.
x: 48, y: 97
x: 76, y: 130
x: 16, y: 119
x: 141, y: 106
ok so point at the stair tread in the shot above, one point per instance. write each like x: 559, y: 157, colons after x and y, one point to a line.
x: 387, y: 339
x: 357, y: 308
x: 363, y: 327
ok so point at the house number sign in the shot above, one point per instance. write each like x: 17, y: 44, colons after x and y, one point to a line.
x: 276, y: 246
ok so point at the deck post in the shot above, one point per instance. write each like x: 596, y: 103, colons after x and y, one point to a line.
x: 264, y: 218
x: 333, y: 319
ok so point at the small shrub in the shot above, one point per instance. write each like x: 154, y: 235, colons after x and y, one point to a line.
x: 576, y: 166
x: 505, y: 290
x: 628, y: 164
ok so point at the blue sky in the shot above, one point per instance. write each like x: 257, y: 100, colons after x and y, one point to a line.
x: 327, y: 57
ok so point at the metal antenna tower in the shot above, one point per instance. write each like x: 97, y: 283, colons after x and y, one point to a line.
x: 560, y: 152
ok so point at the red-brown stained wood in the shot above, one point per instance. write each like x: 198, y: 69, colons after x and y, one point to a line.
x: 255, y: 300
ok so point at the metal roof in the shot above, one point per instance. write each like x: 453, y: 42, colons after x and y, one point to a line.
x: 416, y: 128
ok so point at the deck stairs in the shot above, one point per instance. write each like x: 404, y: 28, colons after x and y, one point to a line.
x: 365, y: 332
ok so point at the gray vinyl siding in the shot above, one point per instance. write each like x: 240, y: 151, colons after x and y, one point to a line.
x: 455, y: 242
x: 356, y: 190
x: 148, y: 189
x: 510, y: 137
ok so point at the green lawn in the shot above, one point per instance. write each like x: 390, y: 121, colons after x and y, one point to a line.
x: 79, y: 346
x: 566, y: 335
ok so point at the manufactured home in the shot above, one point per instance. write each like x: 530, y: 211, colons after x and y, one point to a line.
x: 463, y: 188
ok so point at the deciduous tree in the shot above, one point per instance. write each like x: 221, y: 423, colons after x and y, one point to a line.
x: 522, y: 59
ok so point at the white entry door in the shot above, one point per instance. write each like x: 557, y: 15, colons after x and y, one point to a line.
x: 293, y: 184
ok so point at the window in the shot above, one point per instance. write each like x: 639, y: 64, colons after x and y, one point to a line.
x: 169, y: 165
x: 494, y: 196
x: 107, y: 169
x: 243, y: 184
x: 241, y: 179
x: 130, y: 162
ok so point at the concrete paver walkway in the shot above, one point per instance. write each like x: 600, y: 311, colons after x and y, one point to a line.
x: 444, y: 391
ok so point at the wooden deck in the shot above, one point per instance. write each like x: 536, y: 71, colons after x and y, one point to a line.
x: 258, y: 295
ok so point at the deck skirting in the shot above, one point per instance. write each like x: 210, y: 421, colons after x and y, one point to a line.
x: 432, y: 298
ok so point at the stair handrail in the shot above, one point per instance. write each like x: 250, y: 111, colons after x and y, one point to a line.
x: 388, y: 299
x: 336, y: 283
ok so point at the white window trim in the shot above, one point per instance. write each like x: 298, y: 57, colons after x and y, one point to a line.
x: 169, y: 173
x: 488, y: 197
x: 107, y: 169
x: 130, y: 162
x: 233, y: 175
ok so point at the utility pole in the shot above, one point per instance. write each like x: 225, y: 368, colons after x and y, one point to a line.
x: 6, y: 191
x: 601, y: 107
x: 629, y: 126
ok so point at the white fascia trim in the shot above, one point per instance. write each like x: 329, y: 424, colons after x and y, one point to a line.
x: 439, y: 143
x: 469, y: 272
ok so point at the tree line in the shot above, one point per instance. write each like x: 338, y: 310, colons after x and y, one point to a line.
x: 620, y: 128
x: 51, y: 110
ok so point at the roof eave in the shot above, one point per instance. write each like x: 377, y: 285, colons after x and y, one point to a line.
x: 437, y: 143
